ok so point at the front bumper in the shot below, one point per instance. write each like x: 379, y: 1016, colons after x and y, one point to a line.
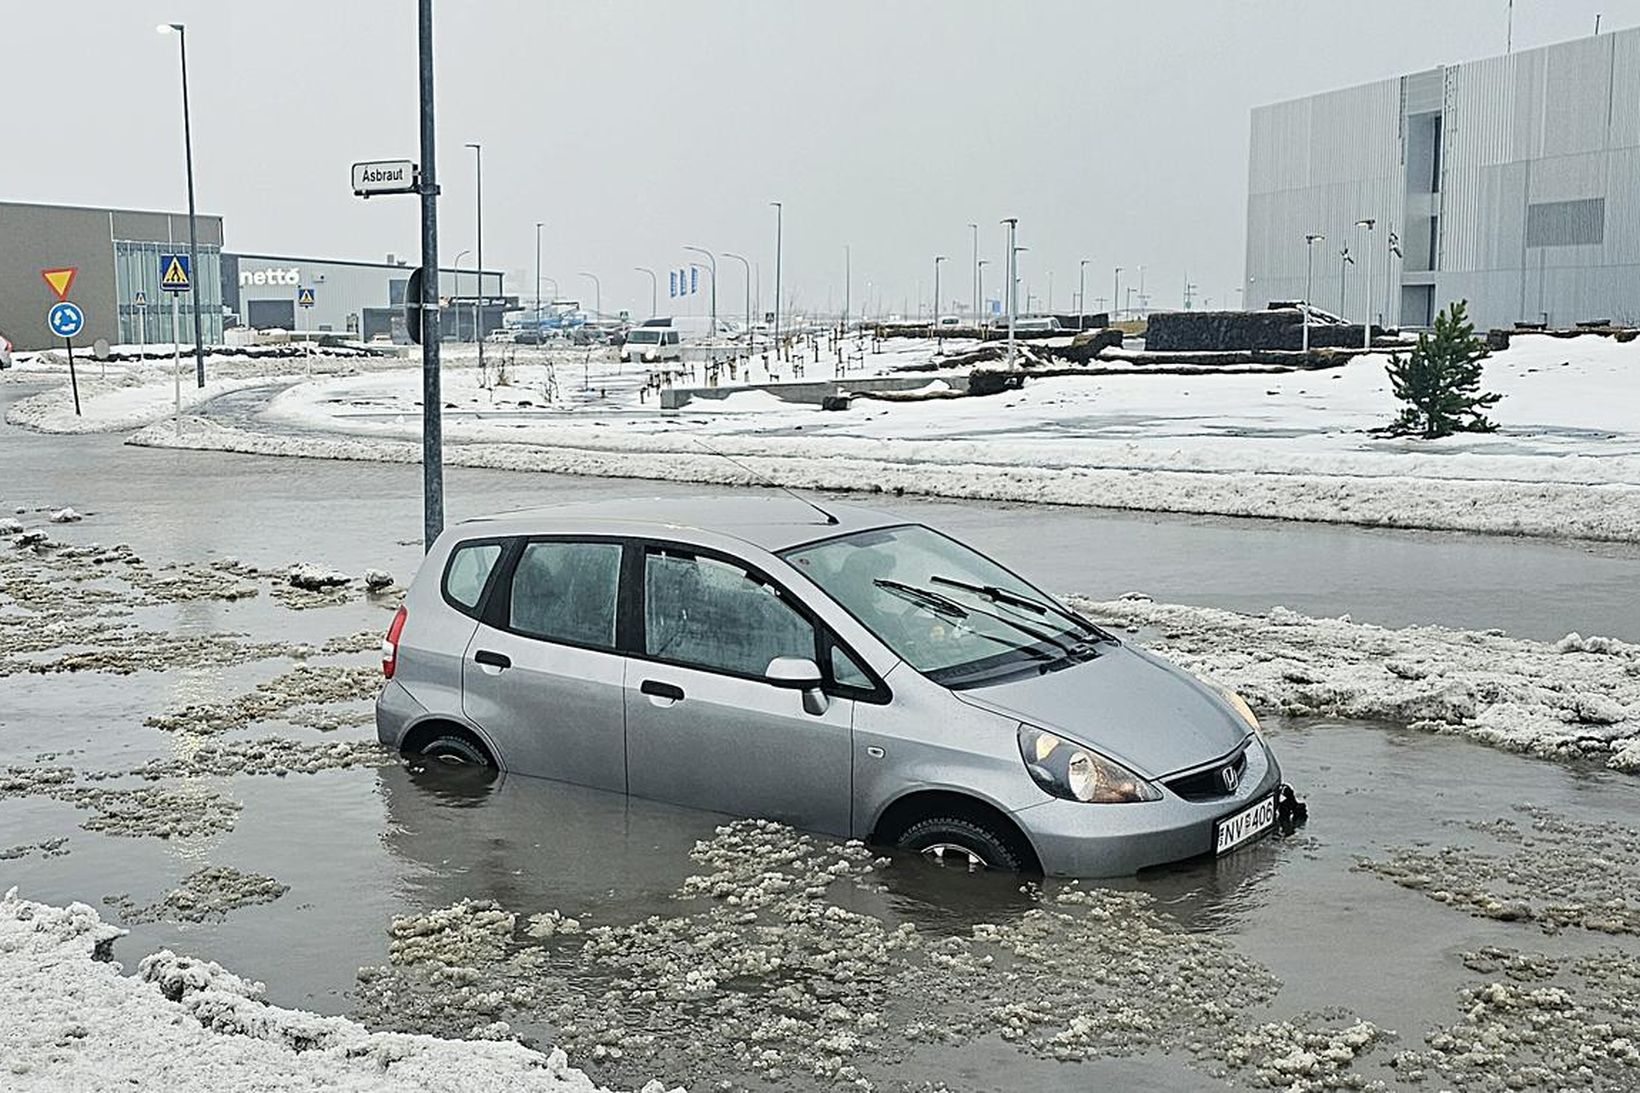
x: 1073, y: 839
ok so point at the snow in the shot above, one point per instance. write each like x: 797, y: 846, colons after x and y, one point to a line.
x: 1289, y: 445
x: 1576, y: 699
x: 72, y: 1020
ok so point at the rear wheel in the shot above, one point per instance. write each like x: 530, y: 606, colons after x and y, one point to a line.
x: 453, y: 750
x: 963, y: 843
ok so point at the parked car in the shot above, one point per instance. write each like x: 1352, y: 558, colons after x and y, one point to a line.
x: 846, y: 672
x: 651, y: 343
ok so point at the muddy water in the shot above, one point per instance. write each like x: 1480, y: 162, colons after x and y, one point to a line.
x: 1289, y: 930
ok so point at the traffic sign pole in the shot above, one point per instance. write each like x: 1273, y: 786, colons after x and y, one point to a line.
x: 73, y: 380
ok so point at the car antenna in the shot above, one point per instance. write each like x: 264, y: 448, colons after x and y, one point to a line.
x: 766, y: 480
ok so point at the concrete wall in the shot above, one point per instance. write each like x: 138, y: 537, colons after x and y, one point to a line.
x: 813, y: 392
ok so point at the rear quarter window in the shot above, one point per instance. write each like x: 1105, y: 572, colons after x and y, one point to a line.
x: 468, y: 572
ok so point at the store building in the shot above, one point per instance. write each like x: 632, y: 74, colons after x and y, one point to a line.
x: 116, y: 255
x: 1512, y: 183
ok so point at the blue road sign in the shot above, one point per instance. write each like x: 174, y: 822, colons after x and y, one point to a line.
x: 65, y: 319
x: 304, y: 296
x: 175, y: 275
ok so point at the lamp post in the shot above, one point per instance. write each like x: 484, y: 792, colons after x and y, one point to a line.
x: 975, y: 286
x: 1012, y: 294
x: 748, y: 267
x: 711, y: 329
x: 848, y: 283
x: 779, y: 217
x: 195, y: 273
x: 1366, y: 323
x: 935, y: 316
x: 538, y: 225
x: 1081, y: 291
x: 597, y: 294
x: 652, y: 283
x: 1345, y: 262
x: 478, y: 208
x: 1310, y: 241
x: 456, y: 265
x: 1116, y: 296
x: 979, y: 292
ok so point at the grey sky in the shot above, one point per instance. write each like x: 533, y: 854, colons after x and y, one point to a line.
x: 1115, y: 132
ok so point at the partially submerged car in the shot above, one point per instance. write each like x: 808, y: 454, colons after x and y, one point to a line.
x: 839, y: 669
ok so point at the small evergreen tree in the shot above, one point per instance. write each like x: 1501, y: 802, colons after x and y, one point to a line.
x: 1440, y: 381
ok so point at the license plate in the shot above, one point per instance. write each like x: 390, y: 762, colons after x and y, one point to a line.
x: 1244, y: 826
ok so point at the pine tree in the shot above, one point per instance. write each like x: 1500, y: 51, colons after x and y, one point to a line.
x: 1440, y: 381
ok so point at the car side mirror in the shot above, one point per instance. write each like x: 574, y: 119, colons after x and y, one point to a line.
x: 799, y: 674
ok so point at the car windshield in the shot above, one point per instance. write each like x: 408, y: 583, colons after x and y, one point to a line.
x: 950, y: 612
x: 645, y: 337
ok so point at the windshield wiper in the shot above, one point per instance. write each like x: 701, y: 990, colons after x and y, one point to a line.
x: 1002, y: 595
x: 937, y: 604
x: 942, y: 604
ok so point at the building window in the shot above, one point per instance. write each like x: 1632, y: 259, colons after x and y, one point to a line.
x: 1566, y: 223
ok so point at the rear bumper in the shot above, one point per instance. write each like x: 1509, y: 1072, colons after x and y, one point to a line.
x: 396, y: 711
x: 1073, y: 839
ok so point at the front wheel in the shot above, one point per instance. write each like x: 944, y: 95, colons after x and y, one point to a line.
x: 957, y: 842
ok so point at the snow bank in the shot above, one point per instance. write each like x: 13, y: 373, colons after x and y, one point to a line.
x: 71, y: 1020
x: 1578, y: 698
x: 109, y: 407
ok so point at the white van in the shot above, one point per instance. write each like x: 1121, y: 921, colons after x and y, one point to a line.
x: 648, y: 344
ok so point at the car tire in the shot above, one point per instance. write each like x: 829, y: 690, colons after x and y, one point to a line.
x: 944, y: 839
x: 455, y: 751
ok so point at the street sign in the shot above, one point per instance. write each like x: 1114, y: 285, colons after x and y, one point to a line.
x: 385, y: 176
x: 304, y: 296
x: 175, y: 274
x: 141, y: 298
x: 624, y: 315
x: 65, y: 319
x: 60, y: 280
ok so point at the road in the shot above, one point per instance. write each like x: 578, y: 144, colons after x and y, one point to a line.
x: 1280, y: 932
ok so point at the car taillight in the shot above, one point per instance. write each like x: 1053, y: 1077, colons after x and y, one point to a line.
x: 390, y: 644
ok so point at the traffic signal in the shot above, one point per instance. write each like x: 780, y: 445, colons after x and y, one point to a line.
x: 412, y: 305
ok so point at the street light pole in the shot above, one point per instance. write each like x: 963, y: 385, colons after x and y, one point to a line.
x: 652, y: 283
x: 935, y: 315
x: 779, y: 218
x: 1011, y: 291
x: 1081, y: 292
x: 975, y: 285
x: 1366, y: 325
x: 195, y: 273
x: 979, y: 292
x: 748, y: 266
x: 432, y: 402
x: 456, y: 265
x: 711, y: 329
x: 1116, y: 296
x: 848, y: 283
x: 597, y: 294
x: 537, y: 278
x: 1309, y: 273
x: 478, y: 206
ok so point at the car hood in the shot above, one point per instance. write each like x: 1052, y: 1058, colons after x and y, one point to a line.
x: 1127, y: 704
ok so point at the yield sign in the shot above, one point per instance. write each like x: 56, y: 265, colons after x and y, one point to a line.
x: 60, y: 279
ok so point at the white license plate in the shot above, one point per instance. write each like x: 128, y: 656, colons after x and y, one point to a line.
x: 1244, y: 826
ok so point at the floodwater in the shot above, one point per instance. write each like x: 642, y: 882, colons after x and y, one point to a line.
x: 360, y: 845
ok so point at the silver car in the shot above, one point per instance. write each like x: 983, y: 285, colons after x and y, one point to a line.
x: 840, y: 670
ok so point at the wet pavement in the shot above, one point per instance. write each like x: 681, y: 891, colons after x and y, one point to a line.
x: 209, y: 764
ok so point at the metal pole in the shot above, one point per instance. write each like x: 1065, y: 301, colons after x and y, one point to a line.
x: 432, y: 427
x: 1366, y: 326
x: 1116, y: 296
x: 934, y: 317
x: 748, y: 267
x: 1011, y: 291
x: 538, y: 279
x: 1309, y: 274
x: 597, y: 294
x: 652, y: 282
x: 779, y: 217
x: 975, y: 285
x: 1081, y: 291
x: 848, y: 282
x: 176, y: 358
x: 195, y: 273
x: 478, y: 203
x: 979, y: 293
x: 712, y: 323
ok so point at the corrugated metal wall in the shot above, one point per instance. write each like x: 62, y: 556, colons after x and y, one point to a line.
x: 1536, y: 128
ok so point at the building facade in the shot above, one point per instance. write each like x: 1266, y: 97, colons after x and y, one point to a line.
x: 116, y: 253
x: 1512, y: 183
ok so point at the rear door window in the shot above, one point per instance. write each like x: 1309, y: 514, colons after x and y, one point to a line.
x: 467, y: 574
x: 713, y: 614
x: 566, y: 591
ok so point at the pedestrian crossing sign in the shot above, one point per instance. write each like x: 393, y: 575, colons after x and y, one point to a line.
x: 174, y: 274
x: 140, y: 299
x: 304, y: 296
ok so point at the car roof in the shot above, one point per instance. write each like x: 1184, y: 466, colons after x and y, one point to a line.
x: 773, y: 523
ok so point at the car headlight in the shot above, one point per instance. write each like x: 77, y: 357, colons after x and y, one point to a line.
x: 1073, y: 772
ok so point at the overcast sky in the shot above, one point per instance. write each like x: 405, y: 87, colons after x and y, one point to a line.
x: 1115, y: 132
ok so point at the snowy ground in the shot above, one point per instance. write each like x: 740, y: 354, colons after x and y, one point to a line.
x: 1292, y: 445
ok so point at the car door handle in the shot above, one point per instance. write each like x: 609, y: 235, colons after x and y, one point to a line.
x: 657, y: 689
x: 493, y: 659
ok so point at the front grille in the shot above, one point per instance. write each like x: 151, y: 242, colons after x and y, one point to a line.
x: 1209, y: 784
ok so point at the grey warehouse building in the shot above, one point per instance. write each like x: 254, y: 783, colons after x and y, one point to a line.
x: 1512, y: 183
